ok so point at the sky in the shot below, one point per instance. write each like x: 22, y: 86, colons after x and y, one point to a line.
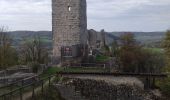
x: 111, y: 15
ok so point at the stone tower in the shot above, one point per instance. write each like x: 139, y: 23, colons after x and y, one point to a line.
x: 69, y: 24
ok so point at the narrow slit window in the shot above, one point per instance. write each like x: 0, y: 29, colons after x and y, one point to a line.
x: 69, y: 8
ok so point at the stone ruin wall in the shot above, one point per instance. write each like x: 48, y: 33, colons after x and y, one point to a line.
x: 87, y: 89
x: 93, y: 38
x: 69, y: 24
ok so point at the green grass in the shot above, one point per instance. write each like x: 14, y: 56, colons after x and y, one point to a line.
x: 159, y: 50
x: 164, y: 86
x: 54, y: 70
x: 101, y: 58
x: 90, y: 69
x: 50, y: 71
x: 50, y: 94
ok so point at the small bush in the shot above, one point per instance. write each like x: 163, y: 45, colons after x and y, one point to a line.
x: 34, y: 66
x: 165, y: 86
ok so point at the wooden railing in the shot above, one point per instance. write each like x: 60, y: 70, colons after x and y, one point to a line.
x: 37, y: 82
x: 23, y: 85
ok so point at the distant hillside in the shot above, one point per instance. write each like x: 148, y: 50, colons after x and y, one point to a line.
x: 146, y: 38
x: 46, y: 36
x: 19, y: 36
x: 151, y: 39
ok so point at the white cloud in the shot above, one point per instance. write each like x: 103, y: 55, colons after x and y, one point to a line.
x: 26, y: 14
x: 113, y: 15
x: 24, y: 6
x: 125, y: 15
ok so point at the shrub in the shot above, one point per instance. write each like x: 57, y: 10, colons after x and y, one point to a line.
x: 165, y: 86
x: 34, y: 66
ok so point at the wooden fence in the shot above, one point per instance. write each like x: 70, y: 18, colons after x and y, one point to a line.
x: 23, y: 84
x: 36, y: 82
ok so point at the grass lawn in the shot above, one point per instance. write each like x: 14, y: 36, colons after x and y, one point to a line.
x: 85, y: 70
x: 50, y: 71
x: 53, y: 70
x: 101, y: 58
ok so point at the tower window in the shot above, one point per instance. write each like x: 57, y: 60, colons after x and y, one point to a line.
x: 69, y: 8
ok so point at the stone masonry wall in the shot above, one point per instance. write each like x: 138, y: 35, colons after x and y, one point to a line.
x: 69, y: 24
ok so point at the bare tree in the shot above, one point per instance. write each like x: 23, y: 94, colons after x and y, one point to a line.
x: 33, y: 51
x: 8, y: 54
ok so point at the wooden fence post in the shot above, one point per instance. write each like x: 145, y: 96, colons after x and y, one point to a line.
x: 11, y: 95
x: 11, y: 92
x: 42, y: 87
x: 21, y: 90
x: 21, y: 93
x: 4, y: 97
x: 153, y: 82
x: 33, y: 90
x: 49, y: 81
x: 10, y: 87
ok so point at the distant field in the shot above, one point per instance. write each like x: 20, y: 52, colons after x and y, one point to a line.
x: 150, y: 39
x: 160, y: 50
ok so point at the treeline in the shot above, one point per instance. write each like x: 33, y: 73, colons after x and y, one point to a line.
x: 31, y: 52
x: 164, y: 84
x: 131, y: 56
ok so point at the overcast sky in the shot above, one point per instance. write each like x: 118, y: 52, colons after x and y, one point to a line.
x: 111, y: 15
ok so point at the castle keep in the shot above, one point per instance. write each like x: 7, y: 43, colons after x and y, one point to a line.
x: 69, y: 25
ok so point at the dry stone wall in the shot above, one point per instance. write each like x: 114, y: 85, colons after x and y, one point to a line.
x: 89, y: 89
